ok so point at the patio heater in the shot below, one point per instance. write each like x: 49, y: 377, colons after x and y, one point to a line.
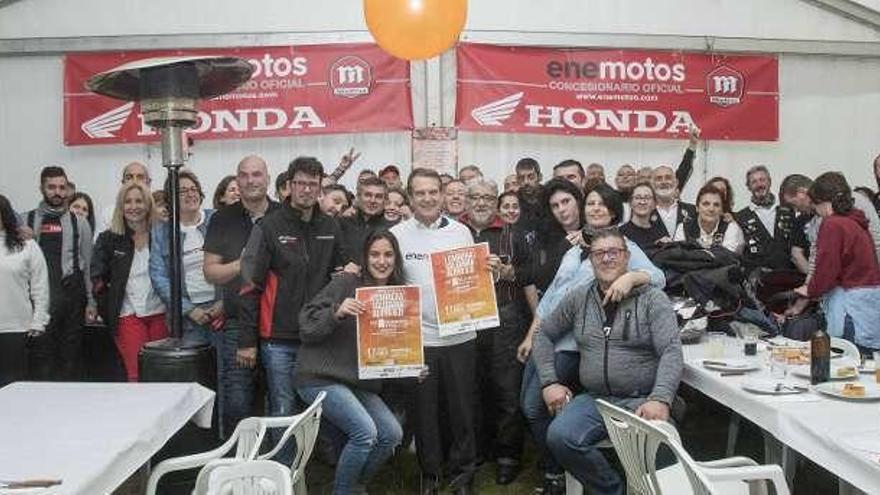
x: 169, y: 89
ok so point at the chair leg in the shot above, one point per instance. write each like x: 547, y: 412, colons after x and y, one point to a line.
x: 572, y: 485
x: 732, y: 433
x: 300, y: 488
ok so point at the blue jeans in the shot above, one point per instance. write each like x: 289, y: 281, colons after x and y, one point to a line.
x: 572, y: 437
x: 535, y: 410
x: 279, y: 360
x: 237, y: 388
x: 371, y: 429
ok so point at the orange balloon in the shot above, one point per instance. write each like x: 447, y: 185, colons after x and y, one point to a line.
x: 415, y: 29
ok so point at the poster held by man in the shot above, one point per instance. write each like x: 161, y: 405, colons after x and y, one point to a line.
x: 465, y: 290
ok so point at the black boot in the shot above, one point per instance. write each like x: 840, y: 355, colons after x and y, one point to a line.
x: 554, y: 484
x: 506, y: 471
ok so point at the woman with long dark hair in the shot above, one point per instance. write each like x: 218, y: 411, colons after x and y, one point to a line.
x: 24, y: 290
x: 846, y: 276
x: 328, y: 362
x: 227, y: 192
x: 81, y: 204
x: 127, y: 302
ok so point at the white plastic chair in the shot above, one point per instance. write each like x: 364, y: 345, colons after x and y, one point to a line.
x: 246, y: 440
x: 304, y: 429
x: 244, y: 478
x: 636, y: 442
x: 850, y: 351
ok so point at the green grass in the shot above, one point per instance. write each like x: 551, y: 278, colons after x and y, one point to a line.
x: 400, y: 476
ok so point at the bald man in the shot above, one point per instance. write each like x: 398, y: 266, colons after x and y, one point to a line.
x: 226, y: 237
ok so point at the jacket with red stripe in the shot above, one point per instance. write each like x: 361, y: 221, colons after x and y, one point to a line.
x: 285, y: 263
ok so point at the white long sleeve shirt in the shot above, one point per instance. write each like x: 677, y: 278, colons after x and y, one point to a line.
x: 24, y: 288
x: 417, y: 241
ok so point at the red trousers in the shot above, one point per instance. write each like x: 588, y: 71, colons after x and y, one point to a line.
x: 132, y: 333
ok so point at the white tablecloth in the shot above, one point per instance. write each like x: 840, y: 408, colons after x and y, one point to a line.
x: 841, y: 436
x: 92, y: 436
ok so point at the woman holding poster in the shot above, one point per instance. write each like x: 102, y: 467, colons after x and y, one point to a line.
x: 328, y: 362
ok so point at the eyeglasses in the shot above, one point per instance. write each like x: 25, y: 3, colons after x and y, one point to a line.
x: 189, y: 190
x: 305, y: 184
x: 612, y: 254
x: 487, y: 198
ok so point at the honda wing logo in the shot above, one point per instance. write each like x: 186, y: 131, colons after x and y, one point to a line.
x: 104, y: 125
x: 496, y: 112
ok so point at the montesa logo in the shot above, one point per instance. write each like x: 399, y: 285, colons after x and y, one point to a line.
x: 106, y: 124
x: 495, y: 113
x: 212, y: 121
x: 351, y: 77
x: 724, y: 86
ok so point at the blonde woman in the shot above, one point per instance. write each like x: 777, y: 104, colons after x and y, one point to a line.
x: 127, y: 301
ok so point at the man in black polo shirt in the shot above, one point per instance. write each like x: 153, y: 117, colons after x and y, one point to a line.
x: 227, y: 235
x: 528, y: 173
x: 368, y: 218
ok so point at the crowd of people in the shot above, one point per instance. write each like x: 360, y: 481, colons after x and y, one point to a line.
x: 586, y: 275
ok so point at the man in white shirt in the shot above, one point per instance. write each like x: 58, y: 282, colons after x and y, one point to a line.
x: 451, y: 360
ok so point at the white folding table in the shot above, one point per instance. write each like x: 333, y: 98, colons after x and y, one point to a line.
x: 91, y: 436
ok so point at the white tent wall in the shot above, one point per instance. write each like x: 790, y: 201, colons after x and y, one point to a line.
x: 829, y: 81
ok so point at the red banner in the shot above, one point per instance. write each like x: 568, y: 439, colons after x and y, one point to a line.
x: 314, y: 89
x: 617, y: 93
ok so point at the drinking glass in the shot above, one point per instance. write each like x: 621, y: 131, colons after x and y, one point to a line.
x: 715, y: 345
x: 778, y: 364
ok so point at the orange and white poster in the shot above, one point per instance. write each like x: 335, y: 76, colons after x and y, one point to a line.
x: 464, y: 290
x: 390, y: 332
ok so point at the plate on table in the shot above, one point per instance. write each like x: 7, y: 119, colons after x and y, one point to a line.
x: 858, y: 391
x: 846, y: 372
x: 731, y: 364
x: 772, y: 387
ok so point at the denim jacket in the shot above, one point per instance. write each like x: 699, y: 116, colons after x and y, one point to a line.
x: 160, y: 262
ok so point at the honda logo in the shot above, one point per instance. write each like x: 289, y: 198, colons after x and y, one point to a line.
x: 106, y: 124
x: 496, y: 112
x: 350, y: 77
x: 724, y: 86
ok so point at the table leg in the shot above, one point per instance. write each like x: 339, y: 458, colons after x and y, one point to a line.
x: 732, y: 433
x: 778, y: 453
x: 844, y: 488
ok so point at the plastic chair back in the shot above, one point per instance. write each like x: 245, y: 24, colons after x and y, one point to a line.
x: 251, y: 478
x: 636, y: 442
x: 304, y: 430
x: 850, y: 351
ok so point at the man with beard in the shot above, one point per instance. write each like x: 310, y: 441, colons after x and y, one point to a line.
x: 572, y: 171
x: 288, y: 258
x: 225, y: 240
x: 670, y: 211
x: 595, y: 175
x: 767, y: 227
x: 368, y: 218
x: 66, y: 242
x: 528, y: 174
x: 500, y: 427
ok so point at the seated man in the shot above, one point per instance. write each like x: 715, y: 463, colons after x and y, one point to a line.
x: 630, y: 355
